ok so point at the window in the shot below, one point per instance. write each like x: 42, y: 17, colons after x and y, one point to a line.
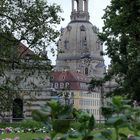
x: 75, y: 5
x: 67, y: 85
x: 86, y: 71
x: 51, y: 85
x: 69, y: 28
x: 61, y: 85
x: 82, y: 28
x: 84, y: 5
x: 66, y: 44
x: 72, y: 94
x: 56, y: 85
x: 51, y: 78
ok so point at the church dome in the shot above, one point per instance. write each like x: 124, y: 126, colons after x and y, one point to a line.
x: 79, y: 48
x: 79, y: 38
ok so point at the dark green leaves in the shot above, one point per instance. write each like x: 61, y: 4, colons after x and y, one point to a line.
x: 121, y: 34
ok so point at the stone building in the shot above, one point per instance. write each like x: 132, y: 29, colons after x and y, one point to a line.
x: 74, y: 89
x: 79, y: 48
x: 79, y: 57
x: 32, y: 85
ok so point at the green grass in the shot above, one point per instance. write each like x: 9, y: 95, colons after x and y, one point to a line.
x: 26, y: 136
x: 30, y: 136
x: 23, y: 136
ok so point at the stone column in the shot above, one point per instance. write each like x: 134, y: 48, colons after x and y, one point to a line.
x: 80, y: 5
x: 72, y: 5
x: 86, y: 5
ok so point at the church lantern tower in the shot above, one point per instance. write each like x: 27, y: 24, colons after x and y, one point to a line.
x: 79, y: 48
x: 79, y: 10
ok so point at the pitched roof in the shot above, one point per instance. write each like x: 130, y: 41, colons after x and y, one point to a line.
x: 63, y: 76
x: 24, y: 50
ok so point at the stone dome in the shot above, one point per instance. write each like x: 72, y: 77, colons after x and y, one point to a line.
x: 79, y: 48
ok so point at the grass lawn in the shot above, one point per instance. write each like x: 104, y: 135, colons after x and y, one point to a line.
x: 30, y: 136
x: 23, y: 136
x: 26, y: 136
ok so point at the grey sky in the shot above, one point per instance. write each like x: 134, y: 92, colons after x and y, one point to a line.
x: 95, y: 10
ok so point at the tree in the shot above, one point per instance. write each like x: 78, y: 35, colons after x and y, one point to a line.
x: 121, y: 35
x: 32, y: 22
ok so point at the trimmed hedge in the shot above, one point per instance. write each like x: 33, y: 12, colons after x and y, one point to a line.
x: 22, y: 124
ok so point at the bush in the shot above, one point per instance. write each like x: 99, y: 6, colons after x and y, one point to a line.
x: 30, y: 124
x: 62, y: 126
x: 6, y: 124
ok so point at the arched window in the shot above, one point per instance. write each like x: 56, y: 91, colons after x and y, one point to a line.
x: 85, y: 5
x: 76, y: 5
x: 17, y: 109
x: 86, y: 71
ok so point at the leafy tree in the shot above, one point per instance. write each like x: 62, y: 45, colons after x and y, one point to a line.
x: 56, y: 117
x: 121, y: 35
x: 32, y: 22
x: 120, y: 114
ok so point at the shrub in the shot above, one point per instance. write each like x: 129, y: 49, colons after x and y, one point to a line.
x: 62, y: 126
x: 6, y: 124
x: 30, y: 124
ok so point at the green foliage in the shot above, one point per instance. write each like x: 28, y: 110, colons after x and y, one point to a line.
x: 6, y: 99
x: 121, y: 35
x: 30, y: 124
x: 105, y: 134
x: 34, y: 23
x: 23, y: 136
x: 39, y: 116
x: 84, y: 124
x: 58, y: 117
x: 123, y: 118
x: 28, y: 21
x: 62, y: 126
x: 96, y: 83
x: 6, y: 124
x: 122, y: 115
x: 25, y: 124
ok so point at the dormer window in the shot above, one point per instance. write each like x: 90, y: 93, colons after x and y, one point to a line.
x: 56, y: 85
x: 67, y: 85
x: 61, y: 85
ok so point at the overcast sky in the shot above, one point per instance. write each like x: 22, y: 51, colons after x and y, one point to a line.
x: 96, y: 11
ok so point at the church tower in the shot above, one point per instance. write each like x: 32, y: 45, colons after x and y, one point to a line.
x: 79, y: 48
x: 80, y: 10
